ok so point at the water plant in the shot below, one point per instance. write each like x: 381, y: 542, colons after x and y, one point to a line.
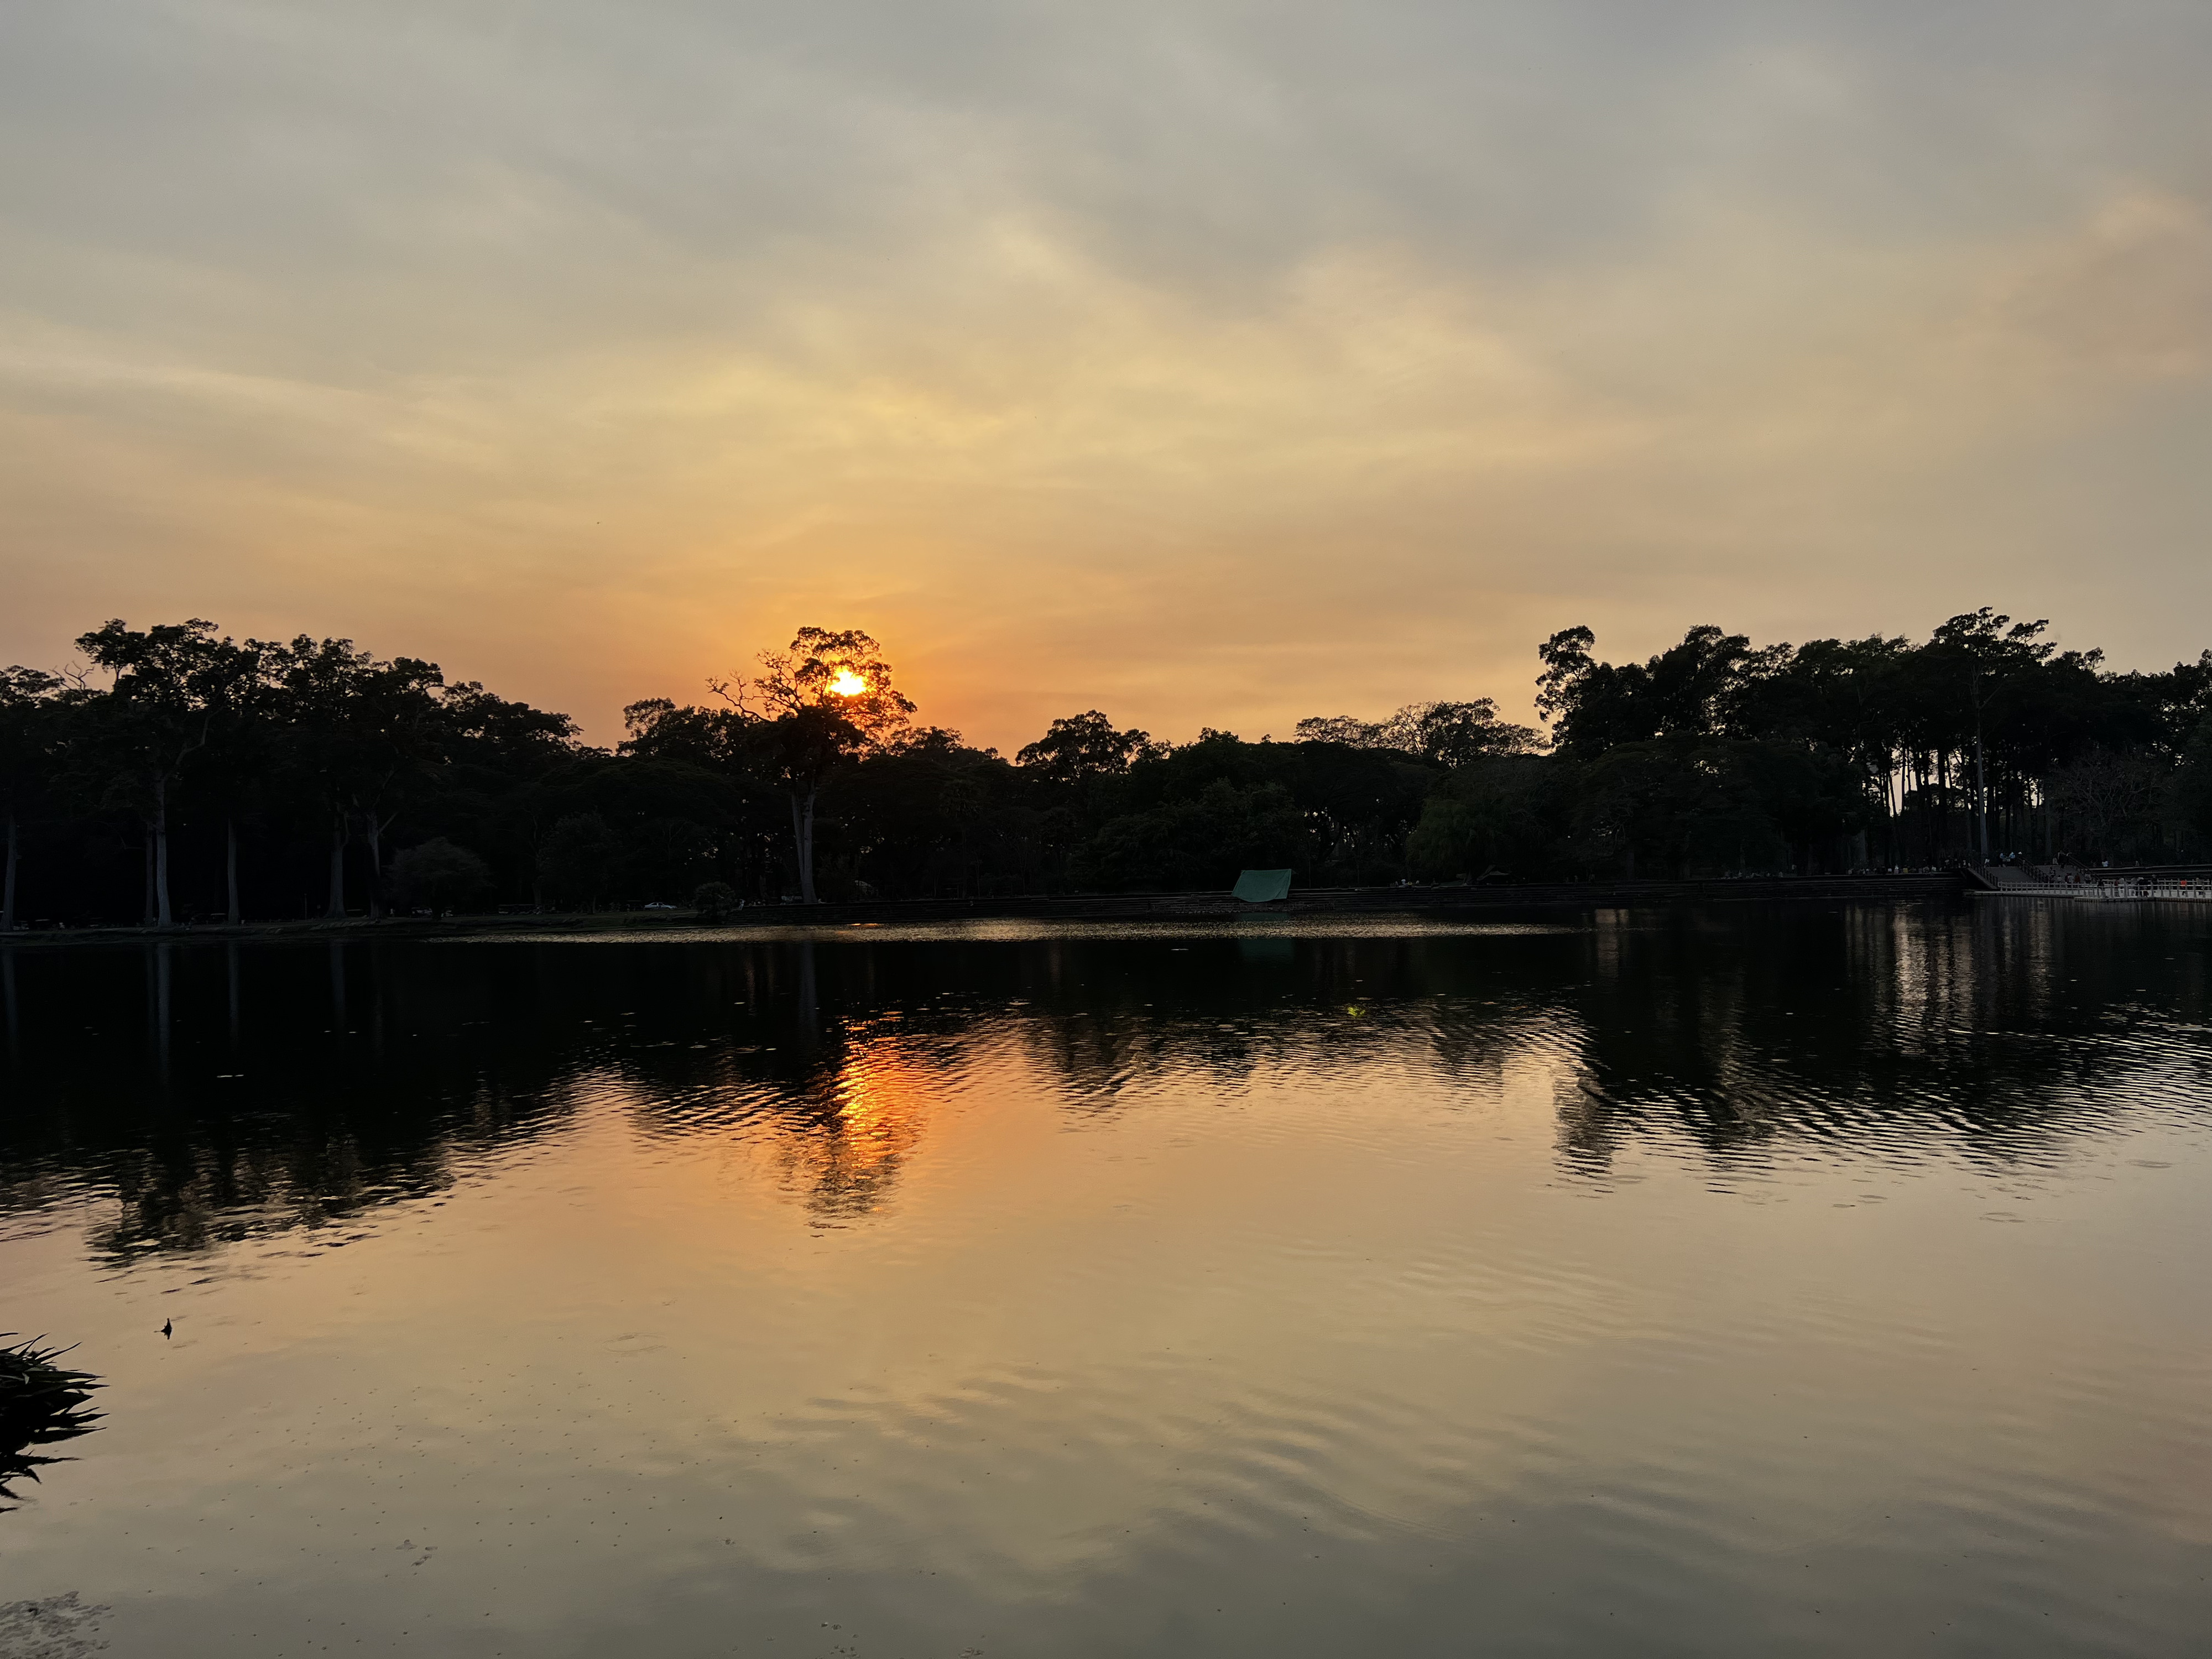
x: 41, y: 1404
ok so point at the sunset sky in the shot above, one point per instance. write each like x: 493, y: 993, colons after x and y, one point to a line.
x: 1207, y: 363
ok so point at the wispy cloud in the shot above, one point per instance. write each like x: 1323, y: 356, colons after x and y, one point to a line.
x: 1205, y: 362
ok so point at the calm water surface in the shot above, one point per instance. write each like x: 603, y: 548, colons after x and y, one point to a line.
x: 1820, y: 1280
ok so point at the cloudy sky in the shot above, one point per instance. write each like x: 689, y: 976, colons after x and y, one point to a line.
x: 1211, y: 363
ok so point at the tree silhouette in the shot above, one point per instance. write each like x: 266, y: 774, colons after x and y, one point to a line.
x: 29, y: 735
x: 825, y: 700
x: 178, y: 749
x: 158, y: 710
x: 1081, y: 746
x: 360, y: 728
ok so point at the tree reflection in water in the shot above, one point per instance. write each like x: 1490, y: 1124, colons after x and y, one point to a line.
x: 211, y: 1094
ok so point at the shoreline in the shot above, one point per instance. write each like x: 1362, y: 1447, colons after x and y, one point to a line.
x: 770, y: 919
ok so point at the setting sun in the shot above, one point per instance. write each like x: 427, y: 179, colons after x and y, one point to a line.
x: 847, y: 684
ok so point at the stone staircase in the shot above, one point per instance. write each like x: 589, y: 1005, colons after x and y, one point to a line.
x: 2014, y: 877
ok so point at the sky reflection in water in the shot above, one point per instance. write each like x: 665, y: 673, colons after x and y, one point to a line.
x: 1818, y: 1278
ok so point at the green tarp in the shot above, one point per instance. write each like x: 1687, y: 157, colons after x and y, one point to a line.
x: 1262, y: 886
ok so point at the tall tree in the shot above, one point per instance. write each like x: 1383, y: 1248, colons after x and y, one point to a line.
x: 1983, y: 660
x: 27, y: 740
x: 1591, y: 705
x: 826, y: 699
x: 398, y: 728
x: 1081, y: 746
x: 360, y: 729
x: 155, y: 714
x: 235, y: 760
x: 314, y: 680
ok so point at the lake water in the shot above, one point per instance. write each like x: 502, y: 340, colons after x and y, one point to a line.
x: 1817, y: 1279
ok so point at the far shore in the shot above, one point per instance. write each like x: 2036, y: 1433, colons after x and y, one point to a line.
x: 765, y: 919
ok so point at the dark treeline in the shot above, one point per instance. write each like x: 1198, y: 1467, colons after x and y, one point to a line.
x: 180, y: 775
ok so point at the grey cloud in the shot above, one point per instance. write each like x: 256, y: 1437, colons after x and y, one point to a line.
x: 559, y: 153
x: 1539, y: 299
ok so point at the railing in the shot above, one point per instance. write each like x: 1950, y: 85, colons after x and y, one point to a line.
x: 2191, y: 889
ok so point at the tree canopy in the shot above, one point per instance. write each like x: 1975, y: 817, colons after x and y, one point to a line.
x: 172, y: 772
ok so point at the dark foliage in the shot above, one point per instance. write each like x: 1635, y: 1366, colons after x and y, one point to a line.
x: 1984, y: 742
x: 715, y: 901
x: 210, y: 777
